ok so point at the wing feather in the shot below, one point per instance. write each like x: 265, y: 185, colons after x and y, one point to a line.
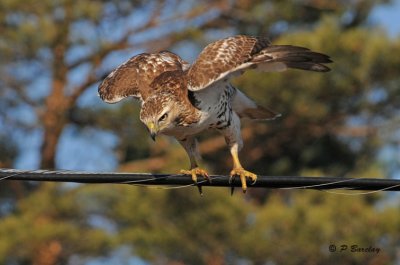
x: 230, y: 57
x: 133, y: 78
x: 221, y: 58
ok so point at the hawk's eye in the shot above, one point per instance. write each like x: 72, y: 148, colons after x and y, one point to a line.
x: 163, y: 117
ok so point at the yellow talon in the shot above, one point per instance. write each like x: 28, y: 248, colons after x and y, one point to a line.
x: 243, y: 174
x: 197, y: 171
x: 194, y: 172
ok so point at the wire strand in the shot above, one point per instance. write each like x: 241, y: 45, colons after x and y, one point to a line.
x: 360, y: 193
x: 317, y: 185
x: 179, y: 181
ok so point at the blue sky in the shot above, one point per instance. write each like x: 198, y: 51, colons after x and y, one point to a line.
x: 388, y: 17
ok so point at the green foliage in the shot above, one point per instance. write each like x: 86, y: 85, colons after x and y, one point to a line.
x: 331, y: 219
x: 50, y: 215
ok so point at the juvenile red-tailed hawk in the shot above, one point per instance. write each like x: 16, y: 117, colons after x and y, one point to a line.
x: 182, y: 100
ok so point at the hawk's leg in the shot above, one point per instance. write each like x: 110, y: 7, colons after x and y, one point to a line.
x: 238, y: 170
x: 190, y: 145
x: 233, y: 139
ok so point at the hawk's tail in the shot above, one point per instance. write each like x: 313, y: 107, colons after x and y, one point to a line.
x: 247, y: 108
x: 281, y: 57
x: 259, y: 113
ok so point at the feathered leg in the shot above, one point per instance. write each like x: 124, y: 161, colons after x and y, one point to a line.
x: 190, y: 145
x: 234, y: 140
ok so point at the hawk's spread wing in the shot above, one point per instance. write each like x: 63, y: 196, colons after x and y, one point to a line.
x: 133, y: 78
x: 232, y: 56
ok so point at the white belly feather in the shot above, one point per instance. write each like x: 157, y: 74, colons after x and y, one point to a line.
x: 214, y: 108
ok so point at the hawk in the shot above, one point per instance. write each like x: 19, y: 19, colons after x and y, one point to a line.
x: 182, y: 100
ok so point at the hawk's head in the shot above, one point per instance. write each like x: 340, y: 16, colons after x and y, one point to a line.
x: 159, y: 113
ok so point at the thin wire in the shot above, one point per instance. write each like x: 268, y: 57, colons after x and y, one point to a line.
x: 136, y: 182
x: 177, y: 186
x: 12, y: 175
x: 319, y: 185
x: 286, y: 188
x: 132, y: 182
x: 360, y: 193
x: 67, y: 171
x: 129, y: 182
x: 189, y: 185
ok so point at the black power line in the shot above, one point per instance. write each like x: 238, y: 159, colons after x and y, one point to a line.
x: 297, y: 182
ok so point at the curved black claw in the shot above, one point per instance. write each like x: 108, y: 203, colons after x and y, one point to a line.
x: 200, y: 189
x: 231, y: 181
x: 194, y: 172
x: 254, y: 182
x: 244, y: 175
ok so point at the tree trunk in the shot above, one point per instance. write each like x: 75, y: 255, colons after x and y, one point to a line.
x: 54, y: 117
x: 48, y: 254
x: 54, y: 121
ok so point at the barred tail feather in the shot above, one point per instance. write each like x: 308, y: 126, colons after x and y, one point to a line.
x: 280, y: 57
x: 259, y: 113
x: 247, y: 108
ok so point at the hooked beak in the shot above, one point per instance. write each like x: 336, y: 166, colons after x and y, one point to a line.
x: 153, y: 136
x: 153, y: 129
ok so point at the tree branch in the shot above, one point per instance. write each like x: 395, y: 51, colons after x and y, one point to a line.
x: 18, y: 87
x: 153, y: 22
